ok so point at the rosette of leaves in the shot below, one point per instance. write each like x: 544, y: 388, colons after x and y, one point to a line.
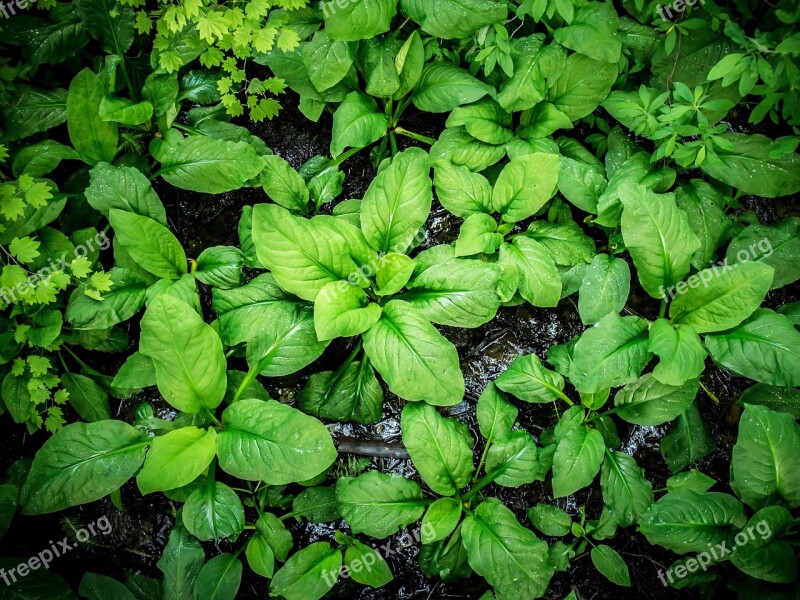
x: 355, y: 268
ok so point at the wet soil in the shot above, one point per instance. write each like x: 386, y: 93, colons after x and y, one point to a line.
x: 200, y: 221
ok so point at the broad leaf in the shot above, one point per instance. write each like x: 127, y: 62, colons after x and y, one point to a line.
x: 577, y: 460
x: 650, y: 403
x: 176, y: 459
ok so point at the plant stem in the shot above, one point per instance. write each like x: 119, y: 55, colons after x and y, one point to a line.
x: 248, y: 379
x: 709, y: 393
x: 343, y: 157
x: 414, y: 136
x: 393, y: 140
x: 663, y: 309
x: 213, y: 417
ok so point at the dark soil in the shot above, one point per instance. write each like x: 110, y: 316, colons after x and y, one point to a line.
x: 200, y: 221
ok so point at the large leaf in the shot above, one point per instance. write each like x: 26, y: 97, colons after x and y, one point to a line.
x: 605, y: 288
x: 213, y: 511
x: 124, y: 188
x: 109, y: 23
x: 687, y: 442
x: 577, y: 460
x: 82, y: 463
x: 309, y: 574
x: 495, y: 414
x: 125, y: 299
x: 752, y: 167
x: 203, y: 164
x: 626, y: 492
x: 219, y: 579
x: 454, y: 19
x: 284, y: 185
x: 593, y: 32
x: 343, y: 313
x: 94, y: 139
x: 684, y: 521
x: 527, y: 379
x: 273, y: 443
x: 461, y: 191
x: 187, y: 353
x: 775, y: 245
x: 682, y: 356
x: 31, y: 111
x: 181, y: 561
x: 722, y: 297
x: 302, y: 256
x: 765, y: 466
x: 397, y: 202
x: 582, y: 86
x: 88, y: 399
x: 703, y: 204
x: 658, y: 237
x: 533, y: 66
x: 766, y: 557
x: 525, y: 185
x: 444, y: 86
x: 327, y: 60
x: 765, y: 348
x: 353, y: 21
x: 414, y: 359
x: 531, y: 265
x: 351, y: 393
x: 509, y: 556
x: 357, y: 123
x: 610, y: 354
x: 514, y: 460
x: 176, y: 459
x: 649, y: 402
x: 151, y: 245
x: 378, y: 505
x: 441, y: 449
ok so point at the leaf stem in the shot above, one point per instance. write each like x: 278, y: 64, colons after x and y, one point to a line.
x: 251, y: 375
x: 709, y: 393
x: 414, y: 136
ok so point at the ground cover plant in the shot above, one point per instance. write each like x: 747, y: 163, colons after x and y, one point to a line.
x: 497, y: 299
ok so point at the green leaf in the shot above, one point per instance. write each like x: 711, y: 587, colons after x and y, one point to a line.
x: 366, y: 565
x: 317, y: 504
x: 766, y: 458
x: 397, y: 202
x: 773, y: 397
x: 461, y: 191
x: 611, y: 565
x: 415, y: 360
x: 509, y: 556
x: 377, y: 58
x: 273, y: 443
x: 605, y: 288
x: 351, y: 393
x: 272, y: 529
x: 687, y: 442
x: 514, y: 460
x: 537, y: 277
x: 650, y: 403
x: 199, y: 163
x: 765, y: 557
x: 527, y: 379
x: 682, y: 356
x: 220, y: 266
x: 461, y: 149
x: 777, y: 246
x: 187, y: 353
x: 610, y: 354
x: 658, y: 237
x: 687, y: 522
x: 721, y: 297
x: 703, y: 204
x: 181, y: 561
x: 343, y: 312
x: 751, y: 167
x: 550, y: 520
x: 32, y: 111
x: 353, y: 21
x: 593, y: 32
x: 525, y: 185
x: 124, y: 188
x: 124, y: 111
x: 444, y: 86
x: 693, y: 480
x: 219, y: 579
x: 303, y: 577
x: 37, y: 160
x: 378, y: 505
x: 765, y: 348
x: 87, y: 398
x: 626, y: 492
x: 109, y: 23
x: 94, y: 139
x: 213, y: 511
x: 533, y: 67
x: 260, y: 557
x: 478, y: 235
x: 495, y: 414
x: 284, y: 185
x: 176, y: 459
x: 82, y: 463
x: 565, y: 241
x: 577, y: 460
x: 583, y: 84
x: 454, y: 19
x: 393, y: 273
x: 327, y: 60
x: 459, y: 293
x: 99, y: 587
x: 485, y: 121
x: 441, y: 449
x: 357, y: 123
x: 125, y: 299
x: 149, y: 243
x: 440, y: 520
x: 302, y: 255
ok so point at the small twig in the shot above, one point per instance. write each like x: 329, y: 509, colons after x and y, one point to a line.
x: 349, y: 445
